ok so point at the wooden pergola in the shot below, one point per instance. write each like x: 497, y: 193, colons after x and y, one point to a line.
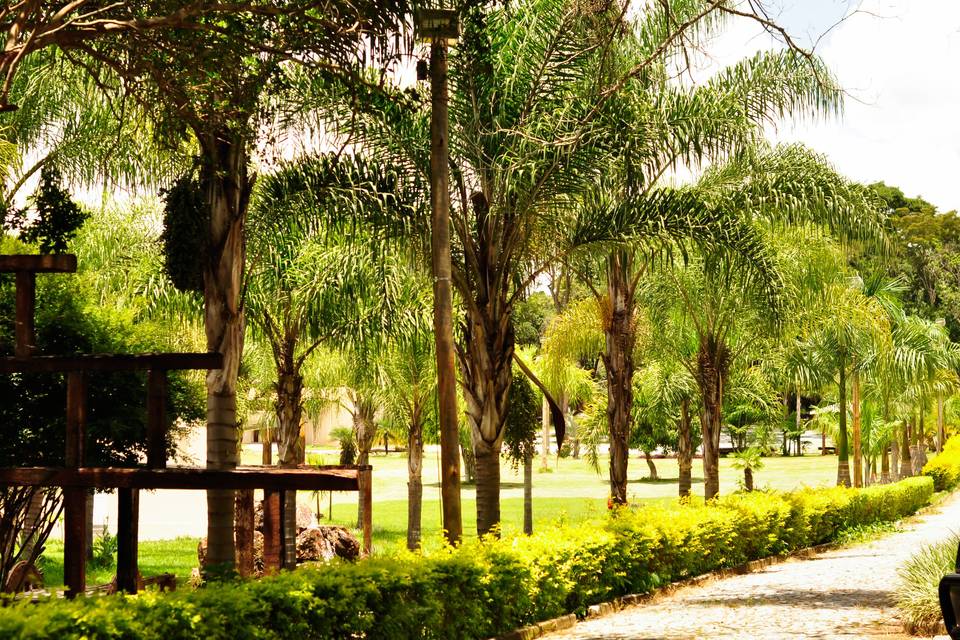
x: 76, y: 479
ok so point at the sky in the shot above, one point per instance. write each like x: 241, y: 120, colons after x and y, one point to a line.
x: 899, y: 63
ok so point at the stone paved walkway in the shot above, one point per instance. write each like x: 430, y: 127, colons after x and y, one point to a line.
x: 845, y: 593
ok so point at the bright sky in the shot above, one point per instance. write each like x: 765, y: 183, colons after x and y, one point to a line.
x: 899, y: 61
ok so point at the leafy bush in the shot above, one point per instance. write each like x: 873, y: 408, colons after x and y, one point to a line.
x: 104, y: 550
x: 917, y: 591
x: 944, y: 467
x: 483, y: 589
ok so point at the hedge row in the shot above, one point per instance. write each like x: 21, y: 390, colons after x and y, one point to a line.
x: 944, y: 467
x: 481, y: 590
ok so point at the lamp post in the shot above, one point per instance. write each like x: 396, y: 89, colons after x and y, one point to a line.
x: 440, y: 27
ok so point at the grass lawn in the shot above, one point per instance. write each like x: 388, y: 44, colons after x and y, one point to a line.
x: 569, y: 491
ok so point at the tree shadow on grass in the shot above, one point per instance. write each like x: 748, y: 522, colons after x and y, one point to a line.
x: 464, y: 483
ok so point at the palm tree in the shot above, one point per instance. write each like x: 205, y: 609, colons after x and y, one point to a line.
x: 410, y: 377
x: 310, y: 285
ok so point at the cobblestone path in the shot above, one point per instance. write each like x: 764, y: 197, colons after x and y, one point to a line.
x: 845, y: 593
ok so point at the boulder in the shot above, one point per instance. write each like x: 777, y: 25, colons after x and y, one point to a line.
x: 325, y: 543
x: 305, y: 517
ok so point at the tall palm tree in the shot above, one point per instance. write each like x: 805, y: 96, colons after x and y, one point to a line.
x: 310, y: 285
x: 726, y: 305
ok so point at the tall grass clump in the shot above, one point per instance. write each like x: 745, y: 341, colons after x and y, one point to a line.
x: 917, y: 591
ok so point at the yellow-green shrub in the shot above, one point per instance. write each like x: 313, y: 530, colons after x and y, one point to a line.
x: 944, y: 467
x: 484, y: 589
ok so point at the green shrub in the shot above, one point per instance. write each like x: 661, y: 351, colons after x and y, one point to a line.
x: 944, y: 467
x: 917, y: 597
x: 483, y: 589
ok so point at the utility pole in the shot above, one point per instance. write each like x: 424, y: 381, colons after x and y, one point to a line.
x: 440, y: 27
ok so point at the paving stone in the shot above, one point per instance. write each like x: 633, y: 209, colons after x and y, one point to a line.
x: 841, y: 594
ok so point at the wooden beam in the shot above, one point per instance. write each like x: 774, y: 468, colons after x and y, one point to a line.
x: 128, y: 520
x: 26, y: 342
x: 56, y: 263
x: 186, y: 478
x: 112, y: 362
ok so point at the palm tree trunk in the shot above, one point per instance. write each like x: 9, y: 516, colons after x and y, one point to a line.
x: 545, y: 450
x: 843, y: 461
x: 798, y: 422
x: 289, y: 410
x: 364, y: 432
x: 885, y: 465
x: 919, y: 452
x: 685, y: 449
x: 748, y: 478
x: 488, y: 489
x: 528, y: 492
x: 906, y: 470
x: 941, y: 424
x: 857, y: 449
x: 895, y: 458
x: 227, y: 196
x: 486, y: 365
x: 414, y: 479
x: 712, y: 363
x: 618, y: 361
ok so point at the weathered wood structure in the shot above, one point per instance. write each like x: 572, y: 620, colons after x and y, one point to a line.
x: 76, y: 479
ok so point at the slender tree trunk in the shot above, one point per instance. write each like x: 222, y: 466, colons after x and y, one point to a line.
x: 620, y: 337
x: 919, y: 453
x: 414, y: 479
x: 895, y: 458
x: 712, y: 363
x: 266, y: 448
x: 289, y: 410
x: 823, y: 442
x: 857, y: 448
x: 843, y: 461
x: 545, y: 451
x: 651, y: 466
x: 799, y: 423
x: 906, y: 469
x: 443, y: 295
x: 227, y: 195
x: 885, y: 465
x: 685, y: 449
x: 748, y: 478
x: 364, y: 432
x: 941, y: 424
x: 469, y: 462
x: 528, y: 492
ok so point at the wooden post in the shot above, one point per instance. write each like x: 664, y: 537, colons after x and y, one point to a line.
x: 272, y: 530
x: 128, y: 516
x: 443, y: 295
x: 75, y: 499
x: 365, y: 480
x: 157, y: 419
x: 26, y: 299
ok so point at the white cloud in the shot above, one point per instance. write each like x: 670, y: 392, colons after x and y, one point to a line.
x: 899, y: 61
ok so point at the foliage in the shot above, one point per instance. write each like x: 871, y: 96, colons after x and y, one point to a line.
x: 523, y: 421
x: 185, y: 223
x: 944, y: 467
x: 479, y: 590
x: 917, y: 599
x: 348, y: 447
x: 57, y: 217
x: 104, y: 549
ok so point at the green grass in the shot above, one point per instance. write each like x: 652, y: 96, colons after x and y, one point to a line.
x: 177, y: 556
x: 570, y: 492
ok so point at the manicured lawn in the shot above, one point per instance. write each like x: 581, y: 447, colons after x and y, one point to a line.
x: 177, y: 556
x: 570, y: 491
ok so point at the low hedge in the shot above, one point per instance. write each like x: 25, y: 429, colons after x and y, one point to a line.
x: 480, y: 589
x: 944, y: 467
